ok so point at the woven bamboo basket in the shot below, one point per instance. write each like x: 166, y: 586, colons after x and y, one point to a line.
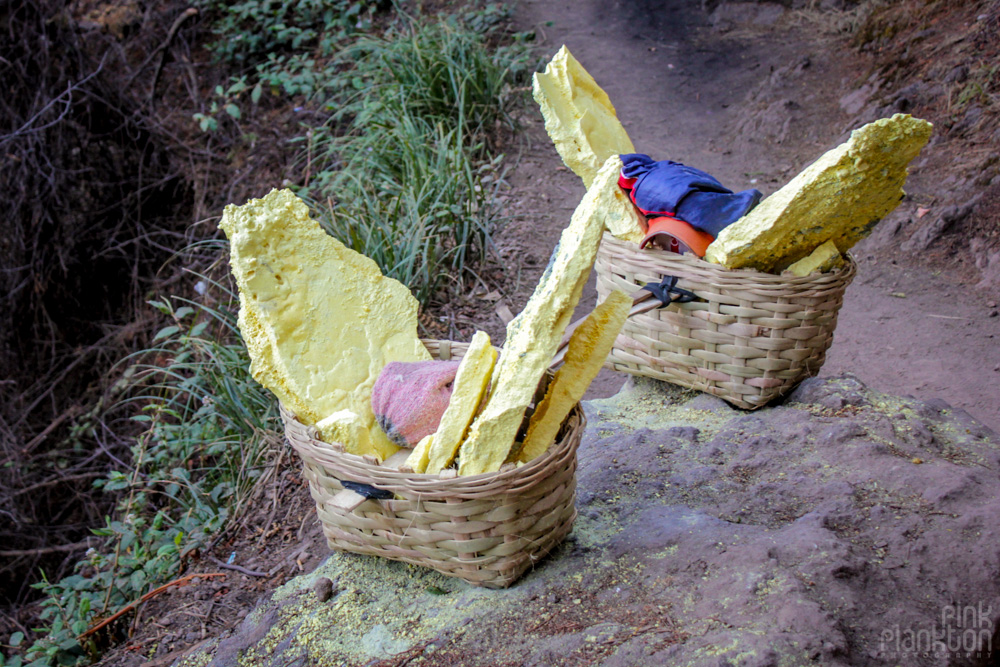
x: 749, y: 338
x: 486, y: 529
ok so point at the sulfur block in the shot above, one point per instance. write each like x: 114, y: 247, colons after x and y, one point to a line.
x: 588, y: 349
x: 348, y: 429
x: 534, y: 335
x: 418, y: 458
x: 320, y: 321
x: 586, y: 131
x: 470, y: 386
x: 838, y: 198
x: 824, y: 258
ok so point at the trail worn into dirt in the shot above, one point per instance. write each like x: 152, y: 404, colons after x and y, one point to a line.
x: 753, y: 99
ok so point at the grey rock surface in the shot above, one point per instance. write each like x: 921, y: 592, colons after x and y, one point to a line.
x: 842, y: 527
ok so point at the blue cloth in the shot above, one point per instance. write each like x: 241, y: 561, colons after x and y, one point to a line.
x: 698, y: 198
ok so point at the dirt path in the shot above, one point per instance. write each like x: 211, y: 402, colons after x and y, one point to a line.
x: 753, y: 106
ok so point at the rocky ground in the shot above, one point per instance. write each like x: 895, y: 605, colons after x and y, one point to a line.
x: 844, y: 527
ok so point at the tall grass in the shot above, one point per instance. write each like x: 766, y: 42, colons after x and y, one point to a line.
x: 413, y: 183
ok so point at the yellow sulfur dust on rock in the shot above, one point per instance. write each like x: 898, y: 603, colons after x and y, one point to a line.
x: 824, y: 258
x: 838, y: 198
x: 320, y: 321
x: 588, y: 349
x: 418, y: 457
x: 470, y: 385
x: 534, y: 335
x: 347, y: 428
x: 586, y: 131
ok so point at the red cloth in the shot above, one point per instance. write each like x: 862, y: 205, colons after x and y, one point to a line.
x: 409, y: 398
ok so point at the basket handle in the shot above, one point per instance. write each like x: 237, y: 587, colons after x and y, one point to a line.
x: 644, y: 299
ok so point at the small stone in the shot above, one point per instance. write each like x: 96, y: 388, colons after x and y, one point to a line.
x: 957, y: 75
x: 323, y: 589
x: 916, y: 460
x: 991, y: 304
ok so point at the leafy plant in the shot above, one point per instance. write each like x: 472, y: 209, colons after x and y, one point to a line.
x: 227, y: 100
x: 413, y: 183
x: 209, y: 429
x: 250, y: 30
x: 405, y: 170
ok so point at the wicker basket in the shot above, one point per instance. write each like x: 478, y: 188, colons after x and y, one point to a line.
x: 750, y: 337
x: 487, y: 529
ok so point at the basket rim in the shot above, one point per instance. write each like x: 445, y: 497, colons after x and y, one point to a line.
x: 574, y: 421
x: 656, y: 258
x: 352, y: 467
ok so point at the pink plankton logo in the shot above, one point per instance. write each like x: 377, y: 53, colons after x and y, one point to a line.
x: 964, y: 631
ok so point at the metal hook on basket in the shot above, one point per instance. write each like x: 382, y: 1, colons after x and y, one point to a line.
x: 667, y: 287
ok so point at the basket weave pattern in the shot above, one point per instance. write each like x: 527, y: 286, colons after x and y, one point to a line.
x: 487, y: 529
x: 750, y: 338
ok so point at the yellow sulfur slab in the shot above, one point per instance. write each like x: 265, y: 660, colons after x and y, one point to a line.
x: 418, y: 458
x: 319, y: 320
x: 348, y: 429
x: 534, y: 335
x: 624, y: 218
x: 470, y: 384
x: 824, y: 258
x: 583, y: 125
x: 838, y: 198
x: 589, y: 347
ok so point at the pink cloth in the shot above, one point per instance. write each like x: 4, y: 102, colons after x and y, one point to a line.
x: 409, y: 398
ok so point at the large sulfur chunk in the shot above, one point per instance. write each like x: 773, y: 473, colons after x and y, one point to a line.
x: 588, y: 349
x: 471, y: 383
x: 417, y: 460
x: 319, y: 320
x: 838, y: 198
x: 348, y: 429
x: 586, y: 131
x: 534, y: 335
x: 578, y: 116
x: 822, y: 259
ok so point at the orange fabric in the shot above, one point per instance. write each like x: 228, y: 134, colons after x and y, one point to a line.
x: 664, y: 229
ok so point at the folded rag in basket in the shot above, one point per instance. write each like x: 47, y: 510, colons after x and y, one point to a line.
x: 668, y: 188
x: 409, y: 398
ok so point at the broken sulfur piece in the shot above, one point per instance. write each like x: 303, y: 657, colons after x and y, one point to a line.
x: 346, y: 428
x: 320, y: 320
x: 471, y: 382
x: 534, y: 335
x: 417, y: 460
x: 582, y: 123
x: 824, y: 258
x: 589, y: 347
x: 838, y: 198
